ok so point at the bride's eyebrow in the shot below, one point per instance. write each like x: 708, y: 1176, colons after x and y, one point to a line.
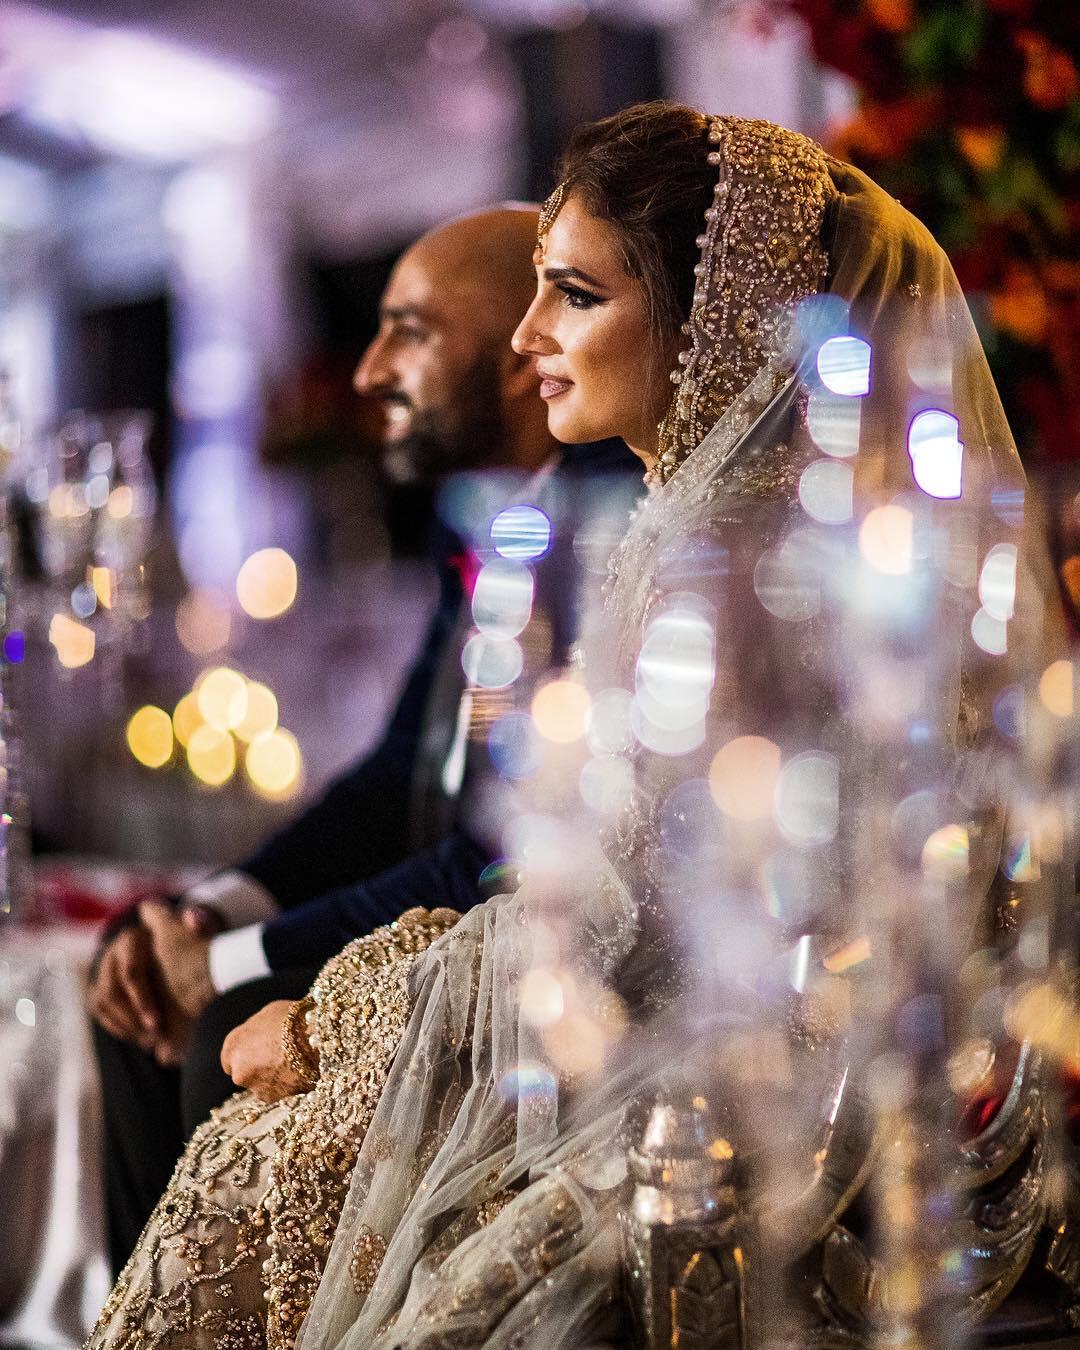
x: 556, y: 274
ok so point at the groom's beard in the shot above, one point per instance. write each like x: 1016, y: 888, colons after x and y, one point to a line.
x: 467, y: 434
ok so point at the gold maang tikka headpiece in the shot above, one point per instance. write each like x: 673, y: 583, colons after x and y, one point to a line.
x: 548, y: 212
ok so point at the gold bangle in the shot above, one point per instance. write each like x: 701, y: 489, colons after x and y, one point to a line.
x: 296, y: 1049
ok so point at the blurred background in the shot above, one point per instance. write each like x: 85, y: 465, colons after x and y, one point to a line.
x: 199, y: 205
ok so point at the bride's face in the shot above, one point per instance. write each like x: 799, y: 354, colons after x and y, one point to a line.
x: 588, y: 330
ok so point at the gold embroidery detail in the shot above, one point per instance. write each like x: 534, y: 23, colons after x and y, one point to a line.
x: 761, y: 254
x: 368, y: 1252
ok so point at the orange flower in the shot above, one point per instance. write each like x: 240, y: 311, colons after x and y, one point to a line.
x: 1050, y: 77
x: 886, y: 131
x: 1021, y: 307
x: 982, y: 147
x: 894, y: 16
x: 1070, y: 575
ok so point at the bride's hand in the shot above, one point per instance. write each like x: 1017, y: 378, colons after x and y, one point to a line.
x: 253, y: 1058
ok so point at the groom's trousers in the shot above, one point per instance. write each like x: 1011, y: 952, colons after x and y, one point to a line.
x: 150, y: 1112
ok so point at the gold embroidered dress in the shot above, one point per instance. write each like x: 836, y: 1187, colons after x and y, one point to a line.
x: 233, y: 1252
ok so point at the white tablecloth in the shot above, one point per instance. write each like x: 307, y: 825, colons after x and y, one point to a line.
x: 53, y: 1269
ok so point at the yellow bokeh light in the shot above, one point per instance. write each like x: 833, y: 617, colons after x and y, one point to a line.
x: 102, y: 580
x: 222, y: 697
x: 886, y: 539
x: 121, y: 502
x: 203, y: 622
x: 743, y: 776
x: 67, y: 500
x: 74, y: 642
x: 150, y: 736
x: 187, y: 718
x: 560, y: 711
x: 274, y: 764
x: 1056, y: 688
x: 262, y: 713
x: 211, y: 755
x: 266, y: 583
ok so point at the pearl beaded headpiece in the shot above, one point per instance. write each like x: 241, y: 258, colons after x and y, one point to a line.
x: 761, y: 253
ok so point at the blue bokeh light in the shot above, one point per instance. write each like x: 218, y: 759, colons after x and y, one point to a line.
x: 521, y: 533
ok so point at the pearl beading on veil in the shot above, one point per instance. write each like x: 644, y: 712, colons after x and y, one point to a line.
x: 761, y: 253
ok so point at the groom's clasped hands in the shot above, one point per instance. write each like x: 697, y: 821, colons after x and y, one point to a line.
x: 153, y: 981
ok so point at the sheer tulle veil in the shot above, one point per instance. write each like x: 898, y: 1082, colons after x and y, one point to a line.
x: 440, y: 1242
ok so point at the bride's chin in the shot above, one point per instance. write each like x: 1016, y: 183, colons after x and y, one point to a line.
x: 572, y: 430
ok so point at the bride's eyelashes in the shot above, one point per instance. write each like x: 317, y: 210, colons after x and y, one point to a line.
x: 576, y: 298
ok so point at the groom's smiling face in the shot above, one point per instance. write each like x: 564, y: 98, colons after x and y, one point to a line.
x: 588, y: 331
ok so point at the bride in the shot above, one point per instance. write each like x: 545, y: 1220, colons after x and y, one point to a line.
x: 449, y: 1180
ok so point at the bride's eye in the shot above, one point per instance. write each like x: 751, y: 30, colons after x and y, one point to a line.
x: 576, y: 298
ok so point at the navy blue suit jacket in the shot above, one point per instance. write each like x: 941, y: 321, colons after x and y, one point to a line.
x: 348, y: 863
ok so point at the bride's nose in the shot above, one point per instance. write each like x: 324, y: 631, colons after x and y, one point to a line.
x: 529, y: 338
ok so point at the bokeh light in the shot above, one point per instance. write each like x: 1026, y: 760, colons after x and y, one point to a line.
x: 834, y: 423
x: 807, y: 802
x: 886, y: 539
x: 266, y: 583
x: 1056, y: 688
x: 187, y: 718
x: 521, y: 533
x: 997, y: 581
x: 786, y: 582
x: 826, y: 491
x: 103, y: 580
x: 743, y: 777
x: 843, y: 363
x: 261, y: 715
x: 542, y: 998
x: 491, y: 662
x: 610, y: 722
x: 937, y: 453
x: 222, y: 696
x: 514, y: 746
x: 121, y: 502
x: 211, y: 755
x: 676, y: 667
x: 930, y: 365
x: 203, y: 622
x: 150, y: 736
x: 607, y: 783
x: 74, y: 642
x: 990, y: 633
x: 945, y: 854
x: 560, y: 711
x: 502, y: 598
x: 84, y: 600
x: 274, y: 764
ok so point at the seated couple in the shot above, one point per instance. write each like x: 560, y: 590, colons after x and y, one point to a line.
x: 424, y: 1164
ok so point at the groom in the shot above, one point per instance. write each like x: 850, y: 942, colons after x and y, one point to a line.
x: 173, y: 981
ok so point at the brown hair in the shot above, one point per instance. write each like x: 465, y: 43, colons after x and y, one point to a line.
x: 644, y: 171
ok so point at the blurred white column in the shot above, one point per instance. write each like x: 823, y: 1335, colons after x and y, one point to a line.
x: 732, y: 60
x: 226, y: 272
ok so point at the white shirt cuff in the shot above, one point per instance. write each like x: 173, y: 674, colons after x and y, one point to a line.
x: 236, y: 897
x: 237, y: 957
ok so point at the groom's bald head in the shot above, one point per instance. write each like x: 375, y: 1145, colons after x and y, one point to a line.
x: 441, y: 363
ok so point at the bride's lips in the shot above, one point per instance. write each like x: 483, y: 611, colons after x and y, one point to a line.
x: 552, y: 387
